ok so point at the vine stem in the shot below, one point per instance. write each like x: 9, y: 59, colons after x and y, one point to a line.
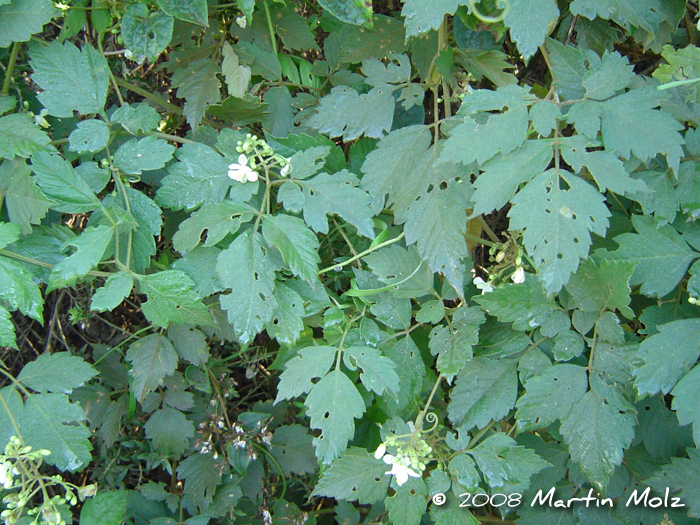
x: 362, y: 254
x: 10, y: 69
x: 421, y: 415
x: 270, y: 27
x: 42, y: 264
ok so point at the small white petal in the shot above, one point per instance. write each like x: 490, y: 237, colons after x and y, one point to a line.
x: 379, y: 453
x: 242, y: 160
x: 518, y: 276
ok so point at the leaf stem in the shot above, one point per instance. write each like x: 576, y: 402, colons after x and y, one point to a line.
x: 270, y: 27
x: 42, y: 264
x: 362, y: 254
x: 10, y: 68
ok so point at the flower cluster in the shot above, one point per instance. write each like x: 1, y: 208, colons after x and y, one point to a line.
x: 410, y: 457
x: 253, y: 154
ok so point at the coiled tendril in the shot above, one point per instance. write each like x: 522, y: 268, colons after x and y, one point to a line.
x: 502, y: 4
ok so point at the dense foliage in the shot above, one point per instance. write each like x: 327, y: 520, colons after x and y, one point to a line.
x: 278, y: 261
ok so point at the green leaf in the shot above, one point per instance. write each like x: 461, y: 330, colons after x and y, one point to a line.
x: 10, y: 414
x: 104, y: 508
x: 52, y: 422
x: 638, y: 13
x: 395, y: 264
x: 354, y: 476
x: 344, y: 10
x: 296, y: 242
x: 237, y: 75
x: 89, y: 136
x: 503, y: 174
x: 146, y: 35
x: 558, y: 223
x: 668, y: 356
x: 59, y: 180
x: 202, y: 474
x: 567, y: 345
x: 410, y: 369
x: 685, y: 395
x: 262, y: 62
x: 607, y: 77
x: 659, y: 428
x: 56, y: 373
x: 409, y: 502
x: 149, y: 153
x: 200, y: 265
x: 529, y: 23
x: 378, y: 374
x: 197, y: 84
x: 310, y: 363
x: 247, y: 268
x: 595, y: 288
x: 332, y: 405
x: 525, y: 305
x: 359, y: 43
x: 217, y: 220
x: 20, y: 136
x: 338, y: 194
x: 632, y: 125
x: 190, y: 343
x: 152, y: 358
x: 347, y: 114
x: 451, y: 513
x: 200, y: 176
x: 172, y: 300
x: 421, y: 16
x: 564, y: 383
x: 136, y: 118
x: 568, y: 69
x: 7, y: 103
x: 91, y: 246
x: 485, y: 390
x: 20, y: 19
x: 194, y: 11
x: 293, y: 448
x: 453, y: 345
x: 18, y: 288
x: 116, y: 288
x: 7, y: 332
x: 72, y: 80
x: 660, y: 255
x: 170, y: 431
x: 293, y: 29
x: 684, y: 474
x: 26, y: 204
x: 502, y: 461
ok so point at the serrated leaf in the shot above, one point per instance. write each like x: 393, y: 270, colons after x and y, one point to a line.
x: 56, y: 373
x: 152, y: 358
x: 146, y: 35
x: 378, y: 374
x: 529, y: 22
x: 660, y: 429
x: 18, y: 288
x: 194, y: 11
x: 10, y: 414
x: 339, y: 194
x: 485, y: 390
x: 52, y: 422
x: 201, y: 176
x: 395, y: 264
x: 410, y: 369
x: 640, y: 13
x: 296, y: 242
x: 595, y: 288
x: 344, y: 10
x: 685, y: 395
x: 217, y: 220
x: 72, y: 79
x: 26, y: 204
x: 608, y: 76
x: 503, y: 174
x: 347, y: 114
x: 660, y: 255
x: 293, y: 29
x: 354, y: 476
x: 116, y: 288
x: 293, y: 448
x: 91, y: 246
x: 200, y: 265
x: 544, y: 115
x: 104, y: 508
x: 421, y: 16
x: 567, y: 345
x: 558, y: 223
x: 170, y: 431
x: 20, y: 136
x: 452, y: 513
x: 249, y: 271
x: 310, y: 363
x: 59, y: 180
x: 502, y: 460
x: 237, y: 75
x: 668, y: 356
x: 20, y: 19
x: 409, y: 502
x: 453, y: 345
x: 597, y: 434
x: 525, y: 304
x: 202, y: 474
x: 172, y: 300
x: 333, y: 403
x: 189, y: 343
x: 286, y: 324
x: 90, y: 135
x: 684, y: 474
x: 198, y: 85
x: 148, y: 153
x: 136, y: 118
x: 568, y: 69
x: 7, y: 332
x: 551, y: 394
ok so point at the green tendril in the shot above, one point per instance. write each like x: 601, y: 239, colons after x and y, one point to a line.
x: 502, y: 4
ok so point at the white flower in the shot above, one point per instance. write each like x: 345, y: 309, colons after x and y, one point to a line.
x: 286, y: 169
x: 483, y: 285
x: 381, y: 450
x: 39, y: 119
x: 6, y: 475
x: 241, y: 172
x: 242, y: 22
x: 401, y: 469
x: 518, y: 276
